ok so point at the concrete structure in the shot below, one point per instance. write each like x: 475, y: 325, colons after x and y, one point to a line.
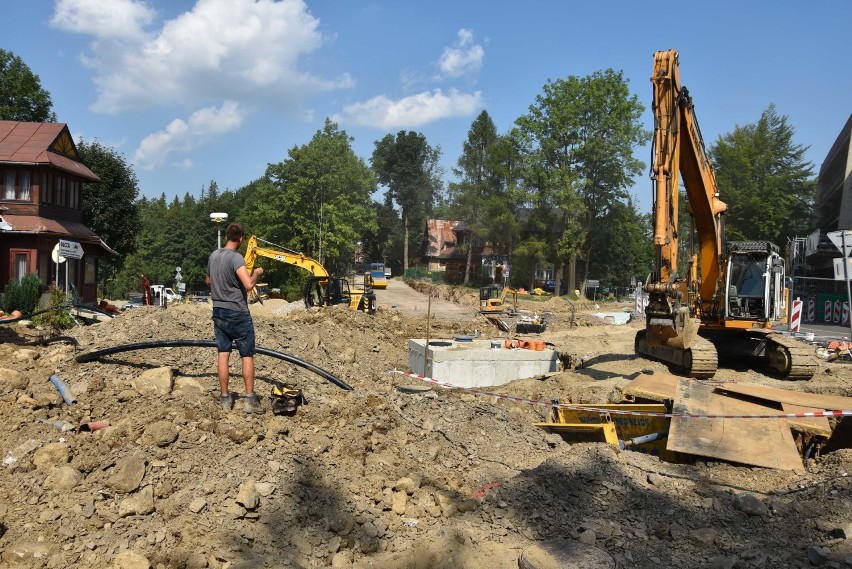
x: 475, y: 363
x: 833, y: 209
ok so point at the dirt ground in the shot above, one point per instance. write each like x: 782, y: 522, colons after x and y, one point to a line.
x: 396, y: 473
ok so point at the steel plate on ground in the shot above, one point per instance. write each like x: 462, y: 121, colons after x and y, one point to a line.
x: 758, y: 442
x: 657, y: 387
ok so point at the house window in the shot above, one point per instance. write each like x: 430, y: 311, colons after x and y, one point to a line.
x: 20, y: 266
x: 9, y: 185
x: 544, y: 273
x: 19, y: 263
x: 90, y: 271
x: 24, y: 185
x: 16, y: 185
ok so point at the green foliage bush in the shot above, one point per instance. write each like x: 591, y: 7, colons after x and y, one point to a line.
x: 57, y: 317
x: 22, y: 295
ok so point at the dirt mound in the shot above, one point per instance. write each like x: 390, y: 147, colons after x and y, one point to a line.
x: 396, y: 473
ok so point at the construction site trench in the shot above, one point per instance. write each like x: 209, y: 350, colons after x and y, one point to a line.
x: 143, y: 468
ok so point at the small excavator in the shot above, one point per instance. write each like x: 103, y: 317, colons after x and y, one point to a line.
x: 492, y: 298
x: 321, y: 289
x: 733, y: 293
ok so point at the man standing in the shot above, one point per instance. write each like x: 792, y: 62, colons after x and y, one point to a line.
x: 230, y: 283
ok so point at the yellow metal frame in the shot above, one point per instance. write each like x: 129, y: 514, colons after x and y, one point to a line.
x: 580, y: 425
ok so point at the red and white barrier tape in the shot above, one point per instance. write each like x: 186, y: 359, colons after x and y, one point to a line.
x: 537, y: 403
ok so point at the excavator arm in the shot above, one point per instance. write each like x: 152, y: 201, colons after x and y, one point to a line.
x: 679, y: 151
x: 283, y: 255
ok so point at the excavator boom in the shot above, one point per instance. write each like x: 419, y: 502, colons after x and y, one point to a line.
x: 283, y: 255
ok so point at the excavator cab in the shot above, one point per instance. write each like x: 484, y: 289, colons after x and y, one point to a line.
x: 755, y: 289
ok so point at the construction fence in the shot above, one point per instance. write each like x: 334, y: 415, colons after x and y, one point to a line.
x: 823, y: 300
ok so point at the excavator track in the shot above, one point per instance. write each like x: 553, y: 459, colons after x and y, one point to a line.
x: 705, y: 360
x: 790, y: 358
x: 699, y: 361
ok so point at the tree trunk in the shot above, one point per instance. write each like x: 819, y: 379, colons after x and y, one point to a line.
x: 405, y: 244
x: 469, y: 261
x: 557, y: 277
x: 572, y: 272
x: 588, y: 257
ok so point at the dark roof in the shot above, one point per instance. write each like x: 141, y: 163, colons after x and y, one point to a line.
x: 42, y: 144
x: 59, y: 228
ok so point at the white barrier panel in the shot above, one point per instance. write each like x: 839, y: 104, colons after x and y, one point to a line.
x: 796, y: 316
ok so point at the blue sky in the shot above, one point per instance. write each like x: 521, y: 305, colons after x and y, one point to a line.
x: 194, y: 91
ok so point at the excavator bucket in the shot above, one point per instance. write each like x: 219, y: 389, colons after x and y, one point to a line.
x: 685, y: 336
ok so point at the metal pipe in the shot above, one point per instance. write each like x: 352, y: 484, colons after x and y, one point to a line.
x: 62, y: 388
x: 641, y: 440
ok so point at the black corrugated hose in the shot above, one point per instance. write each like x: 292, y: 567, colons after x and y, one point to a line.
x: 87, y: 357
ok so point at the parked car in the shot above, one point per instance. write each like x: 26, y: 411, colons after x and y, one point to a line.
x: 134, y: 301
x: 549, y: 286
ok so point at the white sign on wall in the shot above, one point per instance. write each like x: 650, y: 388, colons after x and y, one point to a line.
x: 838, y: 268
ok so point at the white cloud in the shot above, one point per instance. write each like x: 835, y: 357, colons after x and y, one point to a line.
x: 103, y: 19
x: 222, y: 49
x: 410, y: 112
x: 464, y: 58
x: 183, y: 136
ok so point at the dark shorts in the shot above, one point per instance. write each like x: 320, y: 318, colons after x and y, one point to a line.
x: 233, y: 326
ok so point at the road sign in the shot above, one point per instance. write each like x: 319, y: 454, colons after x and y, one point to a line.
x: 57, y: 258
x: 842, y: 240
x: 839, y: 275
x: 70, y: 249
x: 593, y: 283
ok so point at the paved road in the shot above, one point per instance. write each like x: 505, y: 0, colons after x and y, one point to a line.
x: 408, y: 301
x: 823, y: 332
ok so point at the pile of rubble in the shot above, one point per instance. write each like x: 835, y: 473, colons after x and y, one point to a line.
x: 144, y: 468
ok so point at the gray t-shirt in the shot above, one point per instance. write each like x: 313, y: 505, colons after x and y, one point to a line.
x: 226, y: 289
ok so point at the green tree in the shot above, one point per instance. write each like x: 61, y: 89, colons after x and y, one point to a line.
x: 582, y: 133
x: 385, y: 242
x: 623, y: 244
x: 323, y: 191
x: 477, y: 181
x: 110, y: 208
x: 409, y: 168
x: 764, y: 178
x: 22, y: 97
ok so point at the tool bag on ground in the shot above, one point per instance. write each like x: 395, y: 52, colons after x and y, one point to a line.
x: 285, y: 401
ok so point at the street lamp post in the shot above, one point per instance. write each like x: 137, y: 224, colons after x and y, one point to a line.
x: 218, y: 219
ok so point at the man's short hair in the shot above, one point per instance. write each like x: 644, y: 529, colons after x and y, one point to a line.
x: 235, y: 232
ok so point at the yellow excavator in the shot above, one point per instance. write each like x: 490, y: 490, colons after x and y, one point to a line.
x: 492, y: 298
x: 733, y: 294
x: 321, y: 289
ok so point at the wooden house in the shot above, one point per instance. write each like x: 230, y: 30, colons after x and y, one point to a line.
x: 41, y: 194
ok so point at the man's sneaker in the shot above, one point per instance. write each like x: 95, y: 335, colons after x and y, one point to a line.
x: 252, y: 404
x: 227, y: 401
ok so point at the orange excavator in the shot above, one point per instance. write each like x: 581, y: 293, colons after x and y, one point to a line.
x: 732, y: 294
